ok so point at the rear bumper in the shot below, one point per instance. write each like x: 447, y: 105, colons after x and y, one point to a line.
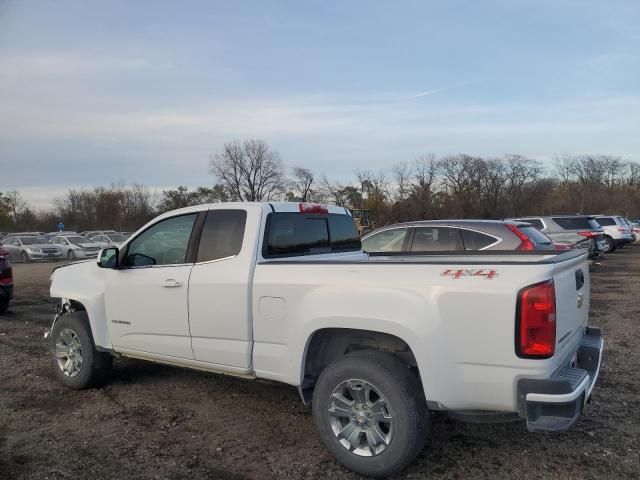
x: 554, y: 404
x: 6, y: 292
x: 621, y: 242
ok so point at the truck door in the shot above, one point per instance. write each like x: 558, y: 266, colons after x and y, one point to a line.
x: 146, y: 300
x: 219, y: 287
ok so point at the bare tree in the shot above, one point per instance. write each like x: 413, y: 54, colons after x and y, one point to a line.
x: 402, y: 172
x: 333, y: 191
x: 521, y: 174
x: 16, y: 203
x: 302, y: 182
x: 249, y: 170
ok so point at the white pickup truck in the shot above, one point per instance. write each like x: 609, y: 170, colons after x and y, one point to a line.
x: 283, y: 291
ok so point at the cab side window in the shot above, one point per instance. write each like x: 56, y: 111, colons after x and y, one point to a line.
x: 222, y: 234
x: 164, y: 243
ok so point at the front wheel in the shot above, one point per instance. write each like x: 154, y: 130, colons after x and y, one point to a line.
x: 370, y: 411
x: 4, y: 305
x: 24, y: 256
x: 71, y: 255
x: 76, y: 361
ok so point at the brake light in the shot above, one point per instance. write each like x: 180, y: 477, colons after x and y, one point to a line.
x: 621, y: 229
x: 587, y: 234
x: 313, y: 208
x: 6, y: 275
x: 525, y: 243
x: 536, y: 321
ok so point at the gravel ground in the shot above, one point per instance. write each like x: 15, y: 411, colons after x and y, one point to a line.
x: 157, y: 422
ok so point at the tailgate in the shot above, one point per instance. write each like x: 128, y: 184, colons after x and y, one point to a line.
x: 572, y: 288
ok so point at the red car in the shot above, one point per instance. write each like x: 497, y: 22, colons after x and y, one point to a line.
x: 6, y: 281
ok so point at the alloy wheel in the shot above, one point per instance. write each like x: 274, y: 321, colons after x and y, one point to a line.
x: 360, y: 418
x: 69, y: 352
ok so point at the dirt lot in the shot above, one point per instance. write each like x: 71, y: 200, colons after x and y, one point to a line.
x: 160, y: 422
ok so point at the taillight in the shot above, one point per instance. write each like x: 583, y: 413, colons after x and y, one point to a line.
x: 536, y: 321
x: 563, y: 246
x: 587, y: 234
x: 525, y: 243
x: 620, y: 229
x: 313, y: 208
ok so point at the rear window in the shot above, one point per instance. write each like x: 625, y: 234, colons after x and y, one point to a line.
x: 476, y: 240
x: 291, y: 234
x: 536, y: 222
x: 605, y: 221
x: 577, y: 223
x: 536, y: 237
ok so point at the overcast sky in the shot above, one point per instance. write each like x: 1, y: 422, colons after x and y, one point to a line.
x: 93, y: 92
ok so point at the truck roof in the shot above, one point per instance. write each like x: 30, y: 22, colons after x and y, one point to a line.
x: 273, y: 206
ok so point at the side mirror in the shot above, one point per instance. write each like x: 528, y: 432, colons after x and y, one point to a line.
x: 108, y: 258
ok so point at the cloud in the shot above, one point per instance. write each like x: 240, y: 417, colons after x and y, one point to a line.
x: 40, y: 65
x: 428, y: 92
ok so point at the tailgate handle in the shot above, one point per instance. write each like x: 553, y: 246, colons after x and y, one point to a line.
x: 579, y: 279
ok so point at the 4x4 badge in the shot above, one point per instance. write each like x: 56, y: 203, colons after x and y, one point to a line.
x: 458, y: 273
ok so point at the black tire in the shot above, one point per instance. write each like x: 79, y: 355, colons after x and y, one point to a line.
x: 405, y: 399
x: 4, y: 305
x: 24, y: 256
x: 95, y: 367
x: 71, y: 255
x: 610, y: 245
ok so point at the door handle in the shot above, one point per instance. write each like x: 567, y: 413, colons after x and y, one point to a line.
x: 171, y: 283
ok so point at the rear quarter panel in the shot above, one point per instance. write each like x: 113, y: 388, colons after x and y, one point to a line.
x: 461, y: 330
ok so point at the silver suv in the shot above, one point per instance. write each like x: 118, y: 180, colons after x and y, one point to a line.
x: 455, y: 235
x: 580, y: 231
x: 617, y: 232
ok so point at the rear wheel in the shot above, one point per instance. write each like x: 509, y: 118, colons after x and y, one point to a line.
x: 76, y: 361
x: 608, y: 244
x: 4, y: 305
x: 370, y: 411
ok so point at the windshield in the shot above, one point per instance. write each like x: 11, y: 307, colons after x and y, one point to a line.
x: 78, y: 240
x: 116, y: 237
x: 33, y: 240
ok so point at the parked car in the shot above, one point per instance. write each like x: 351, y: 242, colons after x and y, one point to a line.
x: 582, y: 231
x: 109, y: 239
x: 635, y: 227
x: 455, y: 235
x: 75, y: 246
x: 93, y: 233
x: 23, y: 234
x: 6, y: 281
x: 51, y: 235
x: 28, y: 248
x: 283, y: 291
x: 617, y: 232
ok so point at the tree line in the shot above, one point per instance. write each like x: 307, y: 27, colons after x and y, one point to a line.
x: 453, y: 186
